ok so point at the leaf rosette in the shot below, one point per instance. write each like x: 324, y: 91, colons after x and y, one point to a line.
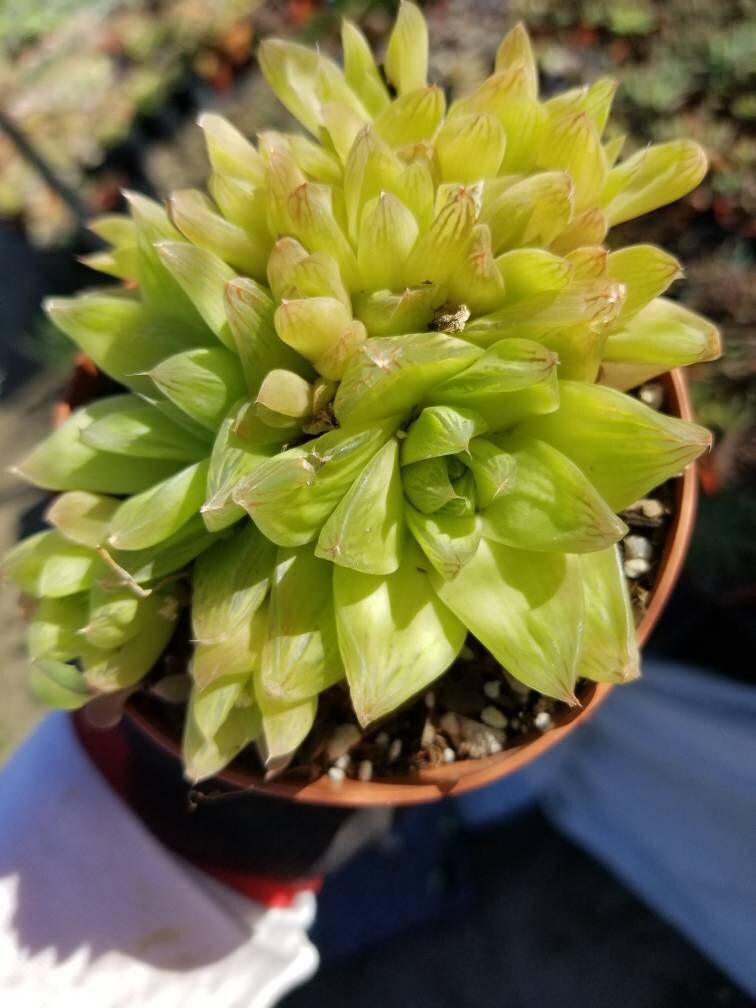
x: 374, y: 401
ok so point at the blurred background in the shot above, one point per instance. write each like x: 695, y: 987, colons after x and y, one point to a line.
x: 98, y: 95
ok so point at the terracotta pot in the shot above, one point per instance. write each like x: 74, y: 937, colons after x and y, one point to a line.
x: 463, y: 775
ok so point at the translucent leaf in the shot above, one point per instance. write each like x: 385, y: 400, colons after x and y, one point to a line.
x: 513, y: 378
x: 652, y: 178
x: 427, y: 485
x: 493, y: 469
x: 387, y: 236
x: 532, y: 212
x: 82, y: 517
x: 395, y: 635
x: 63, y: 462
x: 448, y: 541
x: 284, y: 728
x: 664, y: 333
x: 138, y: 567
x: 230, y: 582
x: 360, y: 70
x: 596, y: 426
x: 387, y: 376
x: 610, y: 650
x: 365, y: 532
x: 158, y: 289
x: 310, y: 218
x: 528, y: 272
x: 645, y: 271
x: 312, y: 158
x: 551, y: 505
x: 293, y: 274
x: 117, y: 615
x: 342, y: 125
x: 476, y: 281
x: 415, y: 186
x: 118, y: 335
x: 312, y: 326
x: 193, y: 214
x: 58, y: 685
x: 480, y: 133
x: 151, y: 517
x: 441, y: 430
x: 203, y: 276
x: 588, y: 228
x: 53, y: 630
x: 250, y: 316
x: 108, y: 671
x: 284, y: 399
x: 371, y: 168
x: 594, y: 100
x: 303, y: 79
x: 290, y: 496
x: 204, y: 757
x: 527, y: 609
x: 406, y: 62
x: 516, y: 53
x: 46, y: 565
x: 241, y: 203
x: 301, y: 653
x: 229, y: 151
x: 387, y: 314
x: 239, y: 653
x: 131, y: 426
x: 204, y: 383
x: 572, y: 145
x: 438, y: 250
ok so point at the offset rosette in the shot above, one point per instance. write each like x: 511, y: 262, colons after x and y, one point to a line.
x: 373, y: 401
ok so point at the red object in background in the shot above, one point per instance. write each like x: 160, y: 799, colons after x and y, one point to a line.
x: 301, y: 11
x: 109, y: 751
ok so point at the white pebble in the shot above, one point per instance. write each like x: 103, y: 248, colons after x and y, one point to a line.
x: 637, y: 568
x: 493, y: 717
x: 395, y: 750
x: 336, y: 774
x: 343, y: 762
x: 652, y: 508
x: 652, y: 395
x: 492, y: 689
x: 543, y: 721
x: 449, y: 755
x: 365, y: 770
x: 637, y: 547
x: 430, y: 699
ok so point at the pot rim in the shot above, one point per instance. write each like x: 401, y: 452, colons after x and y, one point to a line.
x: 456, y: 778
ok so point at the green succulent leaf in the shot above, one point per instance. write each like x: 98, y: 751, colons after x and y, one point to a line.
x: 645, y: 272
x: 301, y: 653
x: 663, y: 333
x: 387, y: 376
x: 118, y: 333
x: 195, y: 217
x: 526, y: 608
x: 230, y: 727
x: 406, y: 62
x: 494, y: 471
x: 142, y: 566
x: 229, y: 583
x: 82, y: 517
x: 203, y: 276
x: 63, y: 462
x: 513, y: 378
x: 651, y: 178
x: 551, y: 505
x: 610, y: 649
x: 441, y: 430
x: 108, y: 671
x: 395, y: 635
x: 596, y: 426
x: 131, y: 426
x: 427, y: 485
x: 204, y: 383
x: 290, y: 496
x: 46, y: 565
x: 151, y: 517
x: 54, y: 628
x: 448, y: 541
x: 117, y: 615
x: 58, y: 685
x: 284, y: 728
x: 366, y: 530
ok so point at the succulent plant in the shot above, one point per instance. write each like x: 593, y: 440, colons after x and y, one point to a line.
x: 375, y: 403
